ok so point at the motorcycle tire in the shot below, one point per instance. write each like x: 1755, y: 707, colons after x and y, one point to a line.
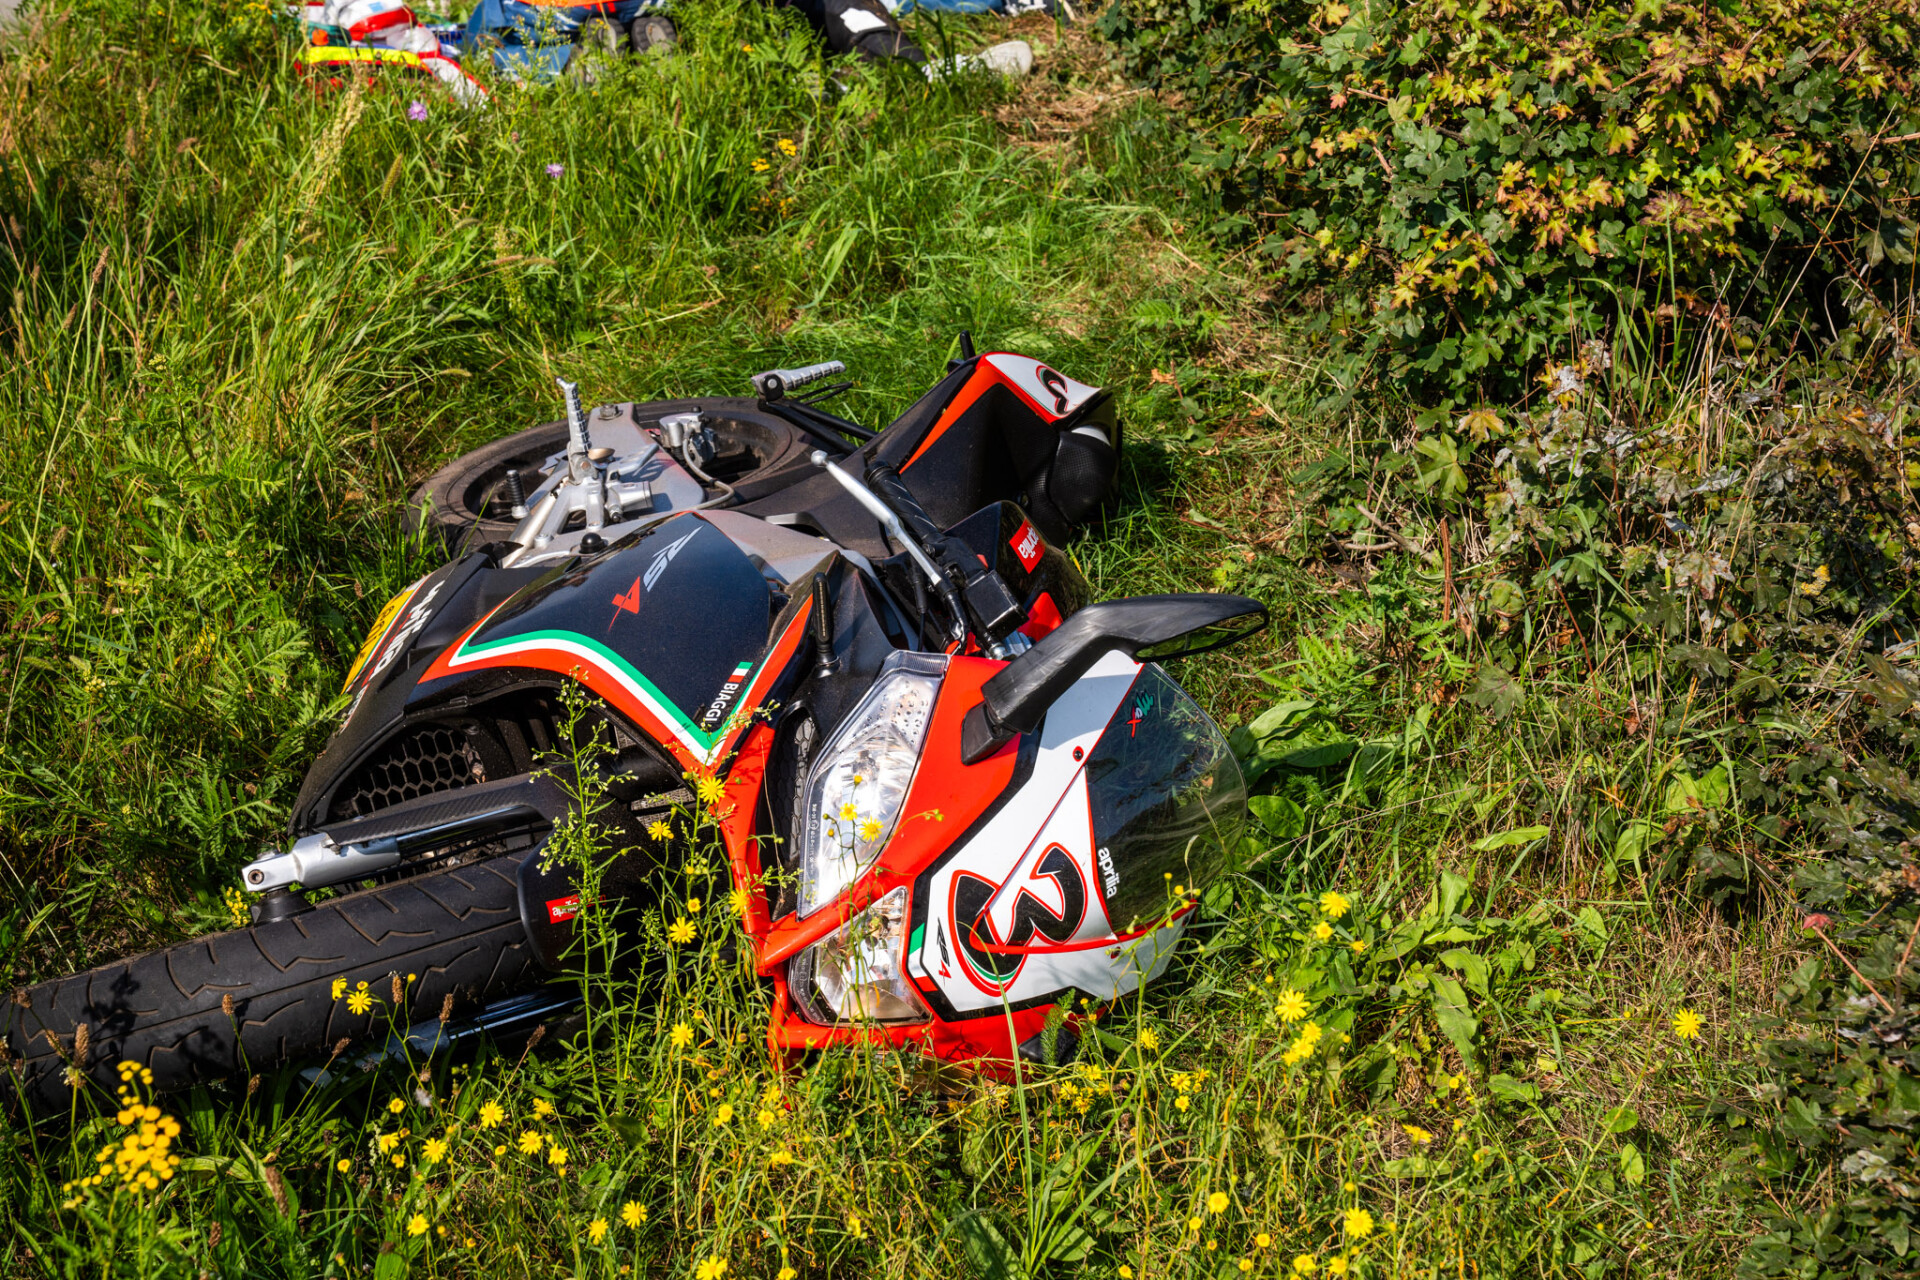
x: 462, y: 502
x: 454, y: 933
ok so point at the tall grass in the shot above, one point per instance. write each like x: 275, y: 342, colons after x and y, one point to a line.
x: 243, y: 318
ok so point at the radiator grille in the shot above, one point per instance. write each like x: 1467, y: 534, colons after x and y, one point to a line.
x: 420, y: 762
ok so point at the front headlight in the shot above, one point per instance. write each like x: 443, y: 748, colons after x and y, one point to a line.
x: 856, y: 973
x: 858, y: 785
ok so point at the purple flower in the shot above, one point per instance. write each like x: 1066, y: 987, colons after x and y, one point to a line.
x: 416, y: 111
x: 555, y: 170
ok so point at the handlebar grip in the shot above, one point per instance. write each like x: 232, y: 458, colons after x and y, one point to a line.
x: 885, y: 481
x: 775, y: 383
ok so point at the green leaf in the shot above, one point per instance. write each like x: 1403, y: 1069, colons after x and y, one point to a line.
x: 1282, y: 818
x: 1320, y: 755
x: 1495, y: 691
x: 1450, y: 1010
x: 1621, y: 1120
x: 1440, y: 465
x: 632, y: 1129
x: 1508, y: 1089
x: 1471, y: 966
x: 989, y: 1253
x: 1281, y: 720
x: 1591, y: 928
x: 1417, y: 1167
x: 1451, y: 894
x: 1504, y: 839
x: 1633, y: 1166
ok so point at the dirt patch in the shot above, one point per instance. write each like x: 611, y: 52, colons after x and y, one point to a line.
x: 1074, y: 85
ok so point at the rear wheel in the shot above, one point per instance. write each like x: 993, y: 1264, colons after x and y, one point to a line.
x: 241, y: 1002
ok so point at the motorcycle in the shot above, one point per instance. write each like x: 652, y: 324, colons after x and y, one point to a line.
x: 953, y: 789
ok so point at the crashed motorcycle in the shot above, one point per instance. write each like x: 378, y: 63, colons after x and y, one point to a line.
x: 953, y: 788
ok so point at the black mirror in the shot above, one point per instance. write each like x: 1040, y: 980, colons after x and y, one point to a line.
x: 1146, y: 628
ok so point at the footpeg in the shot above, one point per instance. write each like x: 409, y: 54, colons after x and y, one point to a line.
x: 774, y: 384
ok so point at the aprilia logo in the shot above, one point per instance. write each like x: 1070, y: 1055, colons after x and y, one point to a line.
x: 1108, y: 875
x: 561, y: 910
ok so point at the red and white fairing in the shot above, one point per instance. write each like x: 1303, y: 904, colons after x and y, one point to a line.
x: 1044, y: 925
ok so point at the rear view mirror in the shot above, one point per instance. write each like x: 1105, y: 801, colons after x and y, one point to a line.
x: 1145, y: 628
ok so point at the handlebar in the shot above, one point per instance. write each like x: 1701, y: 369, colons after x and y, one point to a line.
x: 774, y: 384
x: 885, y: 481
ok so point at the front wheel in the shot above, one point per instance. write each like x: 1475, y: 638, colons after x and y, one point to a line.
x: 241, y: 1002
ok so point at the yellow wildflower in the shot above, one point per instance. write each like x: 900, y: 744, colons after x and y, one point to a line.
x: 848, y: 812
x: 737, y: 901
x: 724, y: 1113
x: 1337, y: 1265
x: 780, y: 1157
x: 709, y: 790
x: 1686, y: 1024
x: 388, y: 1141
x: 1358, y: 1223
x: 596, y: 1231
x: 760, y: 164
x: 767, y: 1119
x: 531, y: 1142
x: 786, y: 147
x: 435, y: 1149
x: 1263, y: 1240
x: 1148, y: 1039
x: 1292, y: 1006
x: 417, y: 1225
x: 339, y: 987
x: 542, y: 1108
x: 1217, y: 1202
x: 557, y: 1156
x: 1359, y: 945
x: 633, y: 1213
x: 870, y: 829
x: 1304, y: 1265
x: 681, y: 1035
x: 855, y: 1227
x: 1323, y: 931
x: 396, y: 1105
x: 680, y: 932
x: 1181, y: 1103
x: 785, y: 1273
x: 491, y: 1114
x: 1333, y: 905
x: 1418, y: 1134
x: 711, y: 1269
x: 342, y: 1165
x: 659, y: 829
x: 359, y: 1002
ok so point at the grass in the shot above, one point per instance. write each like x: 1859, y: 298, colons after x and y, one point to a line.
x: 243, y: 319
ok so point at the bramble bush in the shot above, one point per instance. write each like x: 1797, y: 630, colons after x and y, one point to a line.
x: 1675, y: 232
x: 1465, y: 189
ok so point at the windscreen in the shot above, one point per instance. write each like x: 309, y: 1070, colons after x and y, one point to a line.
x: 1167, y: 798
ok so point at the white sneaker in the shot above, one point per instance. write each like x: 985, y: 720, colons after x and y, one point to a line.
x: 1012, y: 59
